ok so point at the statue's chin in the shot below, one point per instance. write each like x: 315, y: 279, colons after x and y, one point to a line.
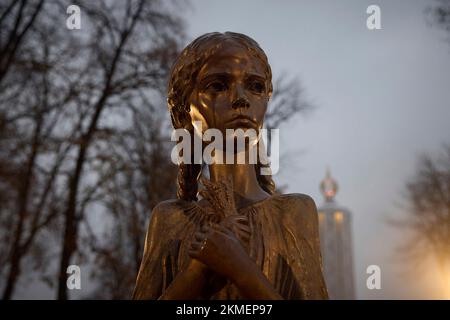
x: 240, y: 154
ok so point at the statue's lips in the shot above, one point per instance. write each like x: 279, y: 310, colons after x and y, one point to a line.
x: 242, y: 121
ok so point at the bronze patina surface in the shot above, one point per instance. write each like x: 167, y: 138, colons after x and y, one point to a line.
x: 241, y: 240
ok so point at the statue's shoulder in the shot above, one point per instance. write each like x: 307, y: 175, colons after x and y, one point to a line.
x: 299, y: 215
x: 298, y: 205
x: 169, y: 211
x: 169, y: 206
x: 298, y: 200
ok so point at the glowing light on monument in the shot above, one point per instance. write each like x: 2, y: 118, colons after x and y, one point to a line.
x: 338, y: 216
x: 336, y: 242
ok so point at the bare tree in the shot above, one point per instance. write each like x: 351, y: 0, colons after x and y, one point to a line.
x: 139, y: 174
x: 131, y: 42
x: 30, y: 102
x: 288, y: 99
x: 438, y: 14
x: 16, y: 20
x: 428, y: 209
x: 55, y: 90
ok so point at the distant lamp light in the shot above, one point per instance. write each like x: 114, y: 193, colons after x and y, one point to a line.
x: 321, y: 217
x: 338, y: 216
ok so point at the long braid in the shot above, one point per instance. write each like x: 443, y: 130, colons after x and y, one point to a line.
x: 265, y: 180
x: 187, y: 186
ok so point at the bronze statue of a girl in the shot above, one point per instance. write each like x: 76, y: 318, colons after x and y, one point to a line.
x: 241, y: 240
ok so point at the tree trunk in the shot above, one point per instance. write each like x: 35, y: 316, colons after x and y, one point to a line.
x: 71, y: 225
x: 13, y: 274
x: 16, y: 253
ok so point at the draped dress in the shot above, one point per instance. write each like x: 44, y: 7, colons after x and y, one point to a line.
x: 284, y: 243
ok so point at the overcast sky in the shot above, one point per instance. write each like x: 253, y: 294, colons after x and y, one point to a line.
x: 382, y: 98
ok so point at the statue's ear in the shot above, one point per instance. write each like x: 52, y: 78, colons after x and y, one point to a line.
x: 180, y: 119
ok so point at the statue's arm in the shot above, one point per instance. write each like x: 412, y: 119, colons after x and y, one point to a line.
x: 252, y: 283
x: 300, y: 221
x: 150, y: 283
x: 189, y: 284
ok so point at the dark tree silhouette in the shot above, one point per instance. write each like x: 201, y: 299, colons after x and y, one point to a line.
x: 288, y: 100
x: 439, y: 14
x: 16, y: 21
x: 131, y: 44
x: 428, y: 212
x: 30, y: 105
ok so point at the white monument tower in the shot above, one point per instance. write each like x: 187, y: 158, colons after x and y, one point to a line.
x: 336, y: 243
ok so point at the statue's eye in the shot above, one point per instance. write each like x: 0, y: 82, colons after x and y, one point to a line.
x: 217, y: 86
x: 257, y: 86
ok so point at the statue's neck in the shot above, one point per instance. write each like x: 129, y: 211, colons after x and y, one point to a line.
x: 245, y: 182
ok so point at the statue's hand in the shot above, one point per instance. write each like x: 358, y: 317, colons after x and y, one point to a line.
x: 219, y: 249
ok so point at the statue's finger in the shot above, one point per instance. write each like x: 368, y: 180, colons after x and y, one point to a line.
x: 240, y: 219
x: 199, y: 236
x: 195, y: 245
x: 194, y: 253
x: 222, y: 229
x: 245, y: 237
x: 243, y: 228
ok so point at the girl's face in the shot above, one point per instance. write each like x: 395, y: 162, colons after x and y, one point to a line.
x: 231, y: 91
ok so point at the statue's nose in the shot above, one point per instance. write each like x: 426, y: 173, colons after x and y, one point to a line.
x: 240, y: 99
x: 240, y: 103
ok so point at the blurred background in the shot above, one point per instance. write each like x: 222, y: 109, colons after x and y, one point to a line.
x: 85, y: 133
